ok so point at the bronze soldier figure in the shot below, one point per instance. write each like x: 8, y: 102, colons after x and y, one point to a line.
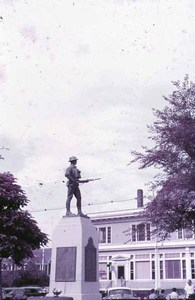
x: 74, y: 175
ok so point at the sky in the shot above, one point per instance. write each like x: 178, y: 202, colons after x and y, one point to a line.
x: 82, y: 78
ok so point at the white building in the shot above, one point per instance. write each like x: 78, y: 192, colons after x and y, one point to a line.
x: 128, y: 255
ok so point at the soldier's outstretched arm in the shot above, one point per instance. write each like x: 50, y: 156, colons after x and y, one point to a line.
x: 83, y: 181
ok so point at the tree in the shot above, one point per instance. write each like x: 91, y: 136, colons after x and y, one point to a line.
x: 8, y: 277
x: 19, y: 233
x: 173, y: 136
x: 31, y: 275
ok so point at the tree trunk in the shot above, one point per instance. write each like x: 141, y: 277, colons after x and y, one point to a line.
x: 1, y: 296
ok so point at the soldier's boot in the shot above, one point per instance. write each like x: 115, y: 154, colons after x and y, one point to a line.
x: 68, y: 212
x: 81, y: 214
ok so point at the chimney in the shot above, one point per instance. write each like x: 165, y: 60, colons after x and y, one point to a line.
x: 140, y: 202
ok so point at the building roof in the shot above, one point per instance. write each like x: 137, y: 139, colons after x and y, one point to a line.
x: 115, y: 215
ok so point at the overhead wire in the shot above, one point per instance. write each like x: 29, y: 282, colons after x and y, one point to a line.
x: 84, y: 205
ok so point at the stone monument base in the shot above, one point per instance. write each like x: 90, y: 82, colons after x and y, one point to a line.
x: 74, y: 260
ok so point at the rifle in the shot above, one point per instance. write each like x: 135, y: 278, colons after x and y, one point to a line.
x: 93, y: 179
x: 87, y: 180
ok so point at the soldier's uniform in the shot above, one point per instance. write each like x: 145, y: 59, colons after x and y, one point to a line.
x: 73, y: 175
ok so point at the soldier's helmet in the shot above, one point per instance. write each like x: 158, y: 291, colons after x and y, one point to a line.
x: 73, y: 158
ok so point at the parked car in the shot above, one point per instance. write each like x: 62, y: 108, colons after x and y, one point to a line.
x: 141, y: 293
x: 22, y: 293
x: 119, y: 293
x: 34, y: 291
x: 7, y: 293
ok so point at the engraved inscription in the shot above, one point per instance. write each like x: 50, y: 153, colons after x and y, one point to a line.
x: 65, y: 264
x: 90, y: 261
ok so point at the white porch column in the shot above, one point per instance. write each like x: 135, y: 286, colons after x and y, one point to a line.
x: 188, y: 264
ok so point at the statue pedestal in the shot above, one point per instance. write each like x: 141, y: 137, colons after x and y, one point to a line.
x: 74, y: 260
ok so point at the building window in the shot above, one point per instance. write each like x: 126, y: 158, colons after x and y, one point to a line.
x: 180, y: 234
x: 193, y: 269
x: 142, y: 270
x: 103, y: 271
x: 131, y: 270
x: 153, y: 269
x: 185, y: 234
x: 133, y: 233
x: 148, y: 232
x: 109, y: 234
x: 161, y: 269
x: 109, y: 265
x: 142, y: 256
x: 172, y: 255
x: 172, y: 269
x: 141, y: 232
x: 105, y: 235
x: 102, y: 235
x: 121, y: 272
x: 188, y: 234
x: 184, y: 269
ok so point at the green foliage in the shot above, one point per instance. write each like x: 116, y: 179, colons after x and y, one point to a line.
x: 12, y: 197
x: 173, y: 134
x: 8, y: 278
x: 19, y: 233
x: 31, y: 275
x: 25, y: 278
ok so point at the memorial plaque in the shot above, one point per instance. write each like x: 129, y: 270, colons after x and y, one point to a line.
x: 65, y: 264
x: 90, y: 261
